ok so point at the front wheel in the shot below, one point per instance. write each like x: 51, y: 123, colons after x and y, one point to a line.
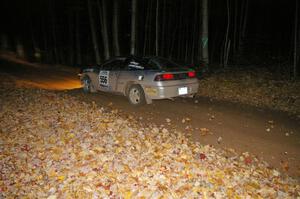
x: 86, y: 84
x: 136, y: 95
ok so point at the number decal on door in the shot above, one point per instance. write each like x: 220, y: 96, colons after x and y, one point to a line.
x: 103, y: 78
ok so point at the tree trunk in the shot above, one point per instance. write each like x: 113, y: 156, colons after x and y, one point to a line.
x: 133, y: 29
x: 156, y: 28
x: 235, y: 38
x: 194, y: 33
x: 150, y: 43
x: 227, y: 41
x: 163, y: 35
x: 184, y: 38
x: 93, y: 32
x: 20, y: 49
x: 295, y: 71
x: 4, y: 42
x: 45, y: 57
x: 180, y: 29
x: 243, y: 23
x: 78, y: 45
x: 186, y: 52
x: 35, y: 49
x: 174, y: 30
x: 103, y: 20
x: 171, y: 29
x: 71, y: 37
x: 116, y: 28
x: 245, y: 19
x: 205, y: 56
x: 147, y: 27
x: 56, y: 57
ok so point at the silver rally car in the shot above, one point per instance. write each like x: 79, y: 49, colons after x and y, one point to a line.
x: 140, y: 79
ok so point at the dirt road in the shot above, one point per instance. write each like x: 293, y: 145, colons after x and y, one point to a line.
x: 272, y: 136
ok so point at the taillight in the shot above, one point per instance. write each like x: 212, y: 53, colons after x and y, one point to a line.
x: 163, y: 77
x: 192, y: 74
x: 168, y: 76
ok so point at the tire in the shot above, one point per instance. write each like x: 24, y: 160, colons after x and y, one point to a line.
x: 86, y: 82
x: 136, y: 95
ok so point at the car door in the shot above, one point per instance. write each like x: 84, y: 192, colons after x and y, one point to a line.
x: 108, y: 76
x: 130, y: 72
x: 114, y: 75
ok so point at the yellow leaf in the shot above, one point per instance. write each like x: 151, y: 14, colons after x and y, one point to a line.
x: 61, y: 178
x: 127, y: 195
x: 52, y: 173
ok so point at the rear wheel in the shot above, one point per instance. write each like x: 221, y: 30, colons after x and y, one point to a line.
x: 136, y: 95
x: 86, y: 83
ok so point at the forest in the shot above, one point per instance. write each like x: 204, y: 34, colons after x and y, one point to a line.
x: 210, y: 33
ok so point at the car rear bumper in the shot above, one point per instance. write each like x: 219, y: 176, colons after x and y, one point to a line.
x: 170, y: 91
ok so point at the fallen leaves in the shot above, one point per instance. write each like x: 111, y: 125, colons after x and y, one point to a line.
x: 202, y: 156
x: 255, y: 87
x: 205, y: 131
x: 284, y: 165
x: 54, y: 146
x: 219, y: 140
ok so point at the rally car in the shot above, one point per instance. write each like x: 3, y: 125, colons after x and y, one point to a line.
x: 140, y: 79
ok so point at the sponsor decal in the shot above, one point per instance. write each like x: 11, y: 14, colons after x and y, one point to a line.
x: 136, y: 65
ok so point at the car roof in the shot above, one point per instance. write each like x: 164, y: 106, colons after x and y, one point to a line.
x: 123, y: 58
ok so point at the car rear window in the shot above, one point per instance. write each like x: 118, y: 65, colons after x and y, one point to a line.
x: 163, y: 64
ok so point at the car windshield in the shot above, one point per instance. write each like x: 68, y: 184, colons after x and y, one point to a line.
x: 164, y: 64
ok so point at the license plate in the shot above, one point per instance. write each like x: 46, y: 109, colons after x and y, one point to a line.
x: 183, y: 91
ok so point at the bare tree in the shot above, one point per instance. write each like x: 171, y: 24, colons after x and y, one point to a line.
x: 150, y: 43
x: 71, y: 37
x: 78, y: 45
x: 180, y: 28
x: 295, y: 41
x: 163, y: 34
x: 116, y: 28
x: 20, y: 48
x: 243, y: 23
x: 4, y: 42
x: 227, y: 40
x: 235, y: 33
x: 47, y: 55
x: 147, y: 22
x: 205, y: 56
x: 103, y: 19
x: 245, y: 18
x: 133, y: 29
x: 157, y: 28
x: 56, y: 57
x: 93, y: 32
x: 173, y: 28
x: 194, y: 33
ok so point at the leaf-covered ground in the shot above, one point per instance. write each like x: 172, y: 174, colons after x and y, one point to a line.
x: 257, y: 88
x: 54, y: 146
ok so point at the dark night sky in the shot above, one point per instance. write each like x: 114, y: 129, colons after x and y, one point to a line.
x: 270, y: 23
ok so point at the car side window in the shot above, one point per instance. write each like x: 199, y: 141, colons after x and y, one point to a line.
x: 109, y: 65
x: 131, y: 64
x: 106, y: 66
x: 118, y: 65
